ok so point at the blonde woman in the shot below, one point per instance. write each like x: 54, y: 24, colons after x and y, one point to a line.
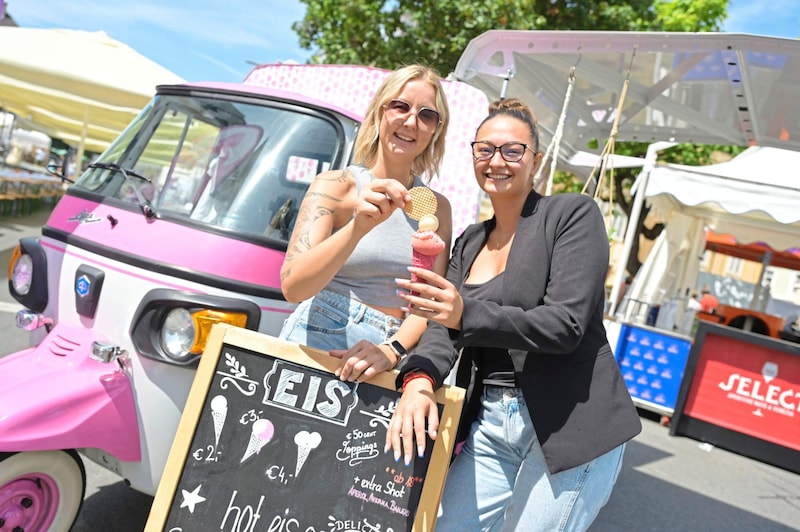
x: 352, y: 238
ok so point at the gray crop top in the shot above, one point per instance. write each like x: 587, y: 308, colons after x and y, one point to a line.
x: 382, y: 256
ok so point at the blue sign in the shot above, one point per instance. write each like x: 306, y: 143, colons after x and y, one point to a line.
x: 82, y: 285
x: 652, y: 364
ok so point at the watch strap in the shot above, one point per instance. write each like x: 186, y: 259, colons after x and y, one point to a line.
x: 397, y: 348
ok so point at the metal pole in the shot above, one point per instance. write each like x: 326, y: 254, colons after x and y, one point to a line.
x: 633, y: 221
x: 759, y: 300
x: 504, y: 88
x: 81, y: 145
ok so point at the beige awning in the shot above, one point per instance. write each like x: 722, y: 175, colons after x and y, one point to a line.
x: 81, y: 87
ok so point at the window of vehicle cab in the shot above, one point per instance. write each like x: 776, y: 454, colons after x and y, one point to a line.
x: 234, y: 166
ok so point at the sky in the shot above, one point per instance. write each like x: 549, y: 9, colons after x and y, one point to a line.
x: 205, y: 40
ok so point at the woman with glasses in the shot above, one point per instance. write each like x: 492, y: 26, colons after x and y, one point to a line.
x: 547, y: 411
x: 352, y: 238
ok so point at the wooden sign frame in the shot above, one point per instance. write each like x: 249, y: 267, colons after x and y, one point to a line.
x: 451, y: 398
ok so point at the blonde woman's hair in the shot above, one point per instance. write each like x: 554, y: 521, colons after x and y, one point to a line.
x: 367, y: 142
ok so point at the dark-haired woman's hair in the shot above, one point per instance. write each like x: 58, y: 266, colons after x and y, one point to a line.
x: 515, y: 108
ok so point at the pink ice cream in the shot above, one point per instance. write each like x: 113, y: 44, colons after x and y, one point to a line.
x: 426, y: 244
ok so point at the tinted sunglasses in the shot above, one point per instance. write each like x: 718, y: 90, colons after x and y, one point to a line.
x: 429, y: 117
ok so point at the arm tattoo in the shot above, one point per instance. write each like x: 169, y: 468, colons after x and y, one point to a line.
x: 311, y: 211
x: 306, y: 217
x: 341, y: 177
x: 323, y: 195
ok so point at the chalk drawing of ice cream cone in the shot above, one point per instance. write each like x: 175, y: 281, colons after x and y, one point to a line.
x: 260, y: 436
x: 219, y: 411
x: 305, y: 442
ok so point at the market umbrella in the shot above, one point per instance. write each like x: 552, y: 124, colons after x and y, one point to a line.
x: 82, y: 87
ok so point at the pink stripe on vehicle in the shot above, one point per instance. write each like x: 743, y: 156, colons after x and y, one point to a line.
x: 109, y: 266
x: 169, y: 243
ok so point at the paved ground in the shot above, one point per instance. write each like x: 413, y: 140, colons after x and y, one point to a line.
x: 676, y: 483
x: 667, y: 483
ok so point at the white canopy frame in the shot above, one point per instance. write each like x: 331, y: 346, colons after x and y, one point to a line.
x: 702, y: 88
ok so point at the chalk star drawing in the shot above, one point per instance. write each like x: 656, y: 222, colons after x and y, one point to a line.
x: 192, y: 498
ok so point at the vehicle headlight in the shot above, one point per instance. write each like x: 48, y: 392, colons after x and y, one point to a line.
x: 185, y: 331
x: 21, y: 274
x: 173, y: 326
x: 27, y: 274
x: 178, y: 332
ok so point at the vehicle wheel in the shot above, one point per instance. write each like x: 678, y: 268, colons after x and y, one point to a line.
x: 41, y: 490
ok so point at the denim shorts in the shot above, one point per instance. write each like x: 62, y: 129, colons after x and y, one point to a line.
x: 333, y: 321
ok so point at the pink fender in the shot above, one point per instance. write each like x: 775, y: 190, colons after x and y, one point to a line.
x: 54, y: 396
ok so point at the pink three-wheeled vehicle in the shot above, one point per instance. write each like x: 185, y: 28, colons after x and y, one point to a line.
x: 181, y: 223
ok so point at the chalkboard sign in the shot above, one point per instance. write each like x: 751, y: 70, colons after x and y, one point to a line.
x: 271, y: 440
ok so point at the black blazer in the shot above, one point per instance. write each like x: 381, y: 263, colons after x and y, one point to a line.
x: 551, y: 322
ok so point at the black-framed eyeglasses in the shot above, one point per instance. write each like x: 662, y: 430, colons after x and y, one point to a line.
x: 429, y: 117
x: 512, y: 152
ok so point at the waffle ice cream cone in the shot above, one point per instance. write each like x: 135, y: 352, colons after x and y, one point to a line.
x: 426, y: 244
x: 305, y: 443
x: 219, y: 411
x: 261, y: 435
x: 302, y: 456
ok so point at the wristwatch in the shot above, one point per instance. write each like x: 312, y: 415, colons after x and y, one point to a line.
x: 397, y: 348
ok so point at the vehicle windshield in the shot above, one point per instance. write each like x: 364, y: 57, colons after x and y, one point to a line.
x: 242, y: 167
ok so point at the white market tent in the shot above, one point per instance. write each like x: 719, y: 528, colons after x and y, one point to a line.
x: 754, y: 197
x: 81, y: 87
x: 703, y: 88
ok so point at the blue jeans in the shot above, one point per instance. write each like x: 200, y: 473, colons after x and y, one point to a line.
x: 500, y: 481
x: 333, y: 321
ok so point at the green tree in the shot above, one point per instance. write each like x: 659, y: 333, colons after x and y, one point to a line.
x: 388, y: 34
